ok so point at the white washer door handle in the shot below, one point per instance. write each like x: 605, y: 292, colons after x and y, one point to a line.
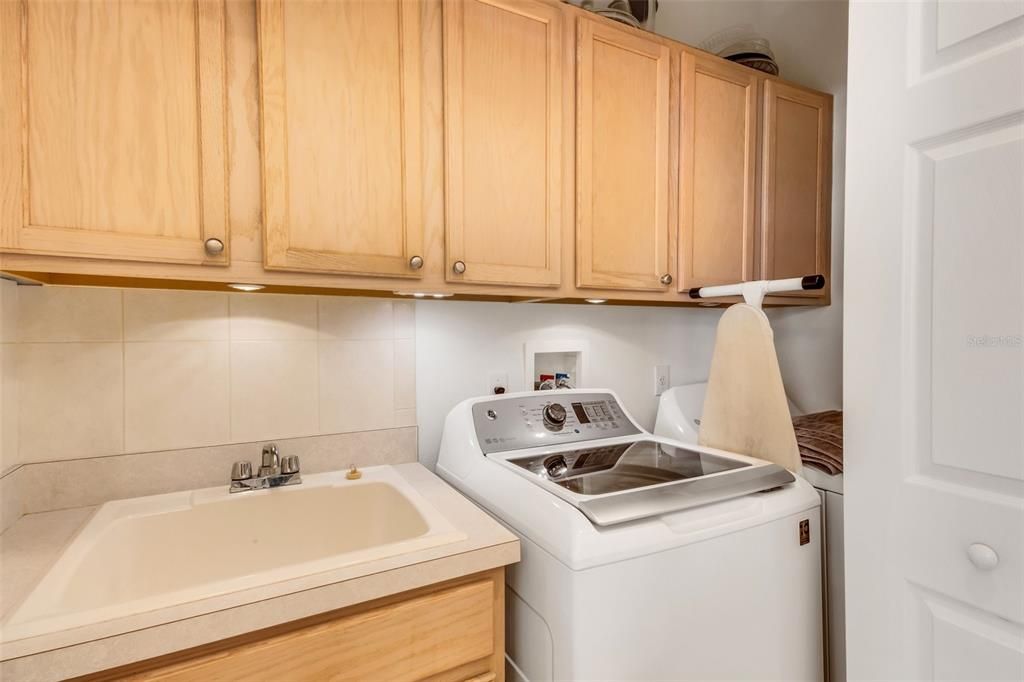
x: 982, y: 556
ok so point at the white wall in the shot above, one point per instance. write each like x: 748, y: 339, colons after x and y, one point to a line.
x: 459, y: 343
x: 808, y: 38
x: 9, y: 457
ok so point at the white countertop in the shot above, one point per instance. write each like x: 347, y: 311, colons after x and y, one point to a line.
x: 30, y: 547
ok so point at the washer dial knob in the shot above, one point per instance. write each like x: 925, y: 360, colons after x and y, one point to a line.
x: 554, y: 417
x: 556, y: 466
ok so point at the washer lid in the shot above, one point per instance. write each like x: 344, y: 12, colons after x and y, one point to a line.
x: 628, y: 481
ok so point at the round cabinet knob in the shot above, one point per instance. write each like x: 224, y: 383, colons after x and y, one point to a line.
x: 554, y: 417
x: 458, y: 267
x: 982, y: 556
x: 666, y: 279
x: 214, y: 247
x: 416, y: 262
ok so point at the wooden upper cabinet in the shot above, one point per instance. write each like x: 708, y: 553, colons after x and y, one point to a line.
x: 340, y: 104
x: 795, y: 183
x: 505, y: 89
x: 113, y: 140
x: 624, y: 239
x: 718, y: 159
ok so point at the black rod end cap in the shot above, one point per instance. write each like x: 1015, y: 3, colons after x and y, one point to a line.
x: 813, y: 282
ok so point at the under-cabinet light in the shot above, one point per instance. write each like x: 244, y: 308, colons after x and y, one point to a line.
x: 420, y: 294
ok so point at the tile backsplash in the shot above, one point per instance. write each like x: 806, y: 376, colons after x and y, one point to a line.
x: 93, y: 372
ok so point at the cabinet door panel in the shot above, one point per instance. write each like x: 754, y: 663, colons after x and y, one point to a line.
x: 427, y: 636
x: 341, y: 97
x: 114, y: 138
x: 504, y: 99
x: 796, y: 200
x: 622, y: 174
x: 718, y: 156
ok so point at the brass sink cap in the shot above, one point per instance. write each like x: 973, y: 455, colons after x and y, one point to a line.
x: 353, y: 473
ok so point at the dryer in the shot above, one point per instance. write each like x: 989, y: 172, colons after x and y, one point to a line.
x: 679, y: 412
x: 643, y: 558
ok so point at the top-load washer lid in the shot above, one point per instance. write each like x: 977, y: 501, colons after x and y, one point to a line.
x: 628, y: 481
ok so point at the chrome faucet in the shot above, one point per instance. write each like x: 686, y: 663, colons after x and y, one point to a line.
x: 273, y: 472
x: 270, y: 464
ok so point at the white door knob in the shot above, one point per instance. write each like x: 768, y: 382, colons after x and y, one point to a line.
x: 982, y: 556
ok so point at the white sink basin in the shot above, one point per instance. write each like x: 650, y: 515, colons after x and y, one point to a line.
x: 153, y: 552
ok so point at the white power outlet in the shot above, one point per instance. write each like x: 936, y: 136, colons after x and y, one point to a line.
x: 661, y: 379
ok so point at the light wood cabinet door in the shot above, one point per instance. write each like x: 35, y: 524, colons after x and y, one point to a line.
x: 340, y: 104
x: 795, y: 184
x: 623, y: 235
x: 113, y: 138
x: 718, y: 159
x: 505, y: 89
x: 447, y: 633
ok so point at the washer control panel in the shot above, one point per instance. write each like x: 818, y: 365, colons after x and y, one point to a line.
x: 548, y: 418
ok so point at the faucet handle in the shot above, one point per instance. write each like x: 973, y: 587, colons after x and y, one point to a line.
x: 290, y: 465
x: 241, y: 471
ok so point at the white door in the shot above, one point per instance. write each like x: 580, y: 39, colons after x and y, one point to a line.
x: 933, y: 352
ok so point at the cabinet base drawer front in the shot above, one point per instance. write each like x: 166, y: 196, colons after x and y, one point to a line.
x: 409, y: 640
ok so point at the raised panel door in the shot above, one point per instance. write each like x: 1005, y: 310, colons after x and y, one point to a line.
x: 340, y: 96
x: 505, y: 90
x: 623, y: 235
x: 113, y: 142
x: 718, y: 158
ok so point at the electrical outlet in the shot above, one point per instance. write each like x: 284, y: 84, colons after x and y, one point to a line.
x: 661, y: 379
x: 497, y: 382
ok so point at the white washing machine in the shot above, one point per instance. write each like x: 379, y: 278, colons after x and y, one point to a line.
x: 642, y: 559
x: 679, y: 414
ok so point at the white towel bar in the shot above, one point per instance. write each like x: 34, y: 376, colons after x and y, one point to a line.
x: 754, y: 292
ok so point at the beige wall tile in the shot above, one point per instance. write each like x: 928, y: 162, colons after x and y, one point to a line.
x: 62, y: 485
x: 405, y: 319
x: 357, y: 389
x: 356, y: 318
x: 68, y: 314
x: 156, y: 315
x: 12, y: 497
x: 194, y: 369
x: 70, y: 400
x: 8, y: 311
x: 9, y: 457
x: 273, y: 389
x: 405, y: 374
x: 272, y: 316
x: 176, y: 395
x: 405, y: 417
